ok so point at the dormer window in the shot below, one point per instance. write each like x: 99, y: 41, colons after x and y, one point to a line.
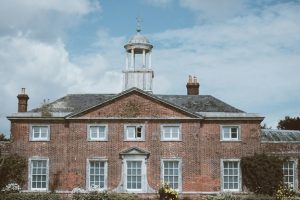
x: 134, y: 132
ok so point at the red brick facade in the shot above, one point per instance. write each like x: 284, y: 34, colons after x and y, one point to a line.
x: 200, y: 147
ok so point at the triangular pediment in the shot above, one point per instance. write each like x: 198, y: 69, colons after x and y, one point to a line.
x: 134, y: 151
x: 135, y: 103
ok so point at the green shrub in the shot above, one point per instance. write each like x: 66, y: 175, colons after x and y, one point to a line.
x: 103, y: 196
x: 12, y: 170
x: 29, y: 196
x: 285, y: 192
x: 167, y: 193
x: 262, y: 174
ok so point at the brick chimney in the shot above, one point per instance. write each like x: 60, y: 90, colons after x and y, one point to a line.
x: 192, y: 86
x: 23, y: 98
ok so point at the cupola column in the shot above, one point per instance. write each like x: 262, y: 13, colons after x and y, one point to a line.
x: 144, y: 58
x: 132, y: 58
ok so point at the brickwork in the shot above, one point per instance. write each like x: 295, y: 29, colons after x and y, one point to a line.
x: 200, y: 148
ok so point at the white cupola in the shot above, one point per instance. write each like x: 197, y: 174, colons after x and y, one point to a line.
x: 138, y: 70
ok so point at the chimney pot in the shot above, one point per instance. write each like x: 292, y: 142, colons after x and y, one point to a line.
x: 22, y: 101
x: 192, y: 86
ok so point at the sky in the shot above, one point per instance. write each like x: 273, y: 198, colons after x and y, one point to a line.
x: 244, y: 52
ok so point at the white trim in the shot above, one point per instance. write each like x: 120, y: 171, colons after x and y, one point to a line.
x: 162, y: 136
x: 295, y: 172
x: 31, y: 134
x: 179, y: 160
x: 36, y: 158
x: 222, y: 176
x: 100, y: 159
x: 134, y: 139
x: 239, y: 136
x: 89, y: 138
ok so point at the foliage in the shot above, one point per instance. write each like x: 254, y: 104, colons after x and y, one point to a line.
x: 262, y: 174
x: 29, y: 196
x: 167, y: 193
x: 12, y: 170
x: 289, y: 123
x: 11, y: 188
x: 3, y: 138
x: 103, y: 196
x: 265, y: 126
x: 285, y: 192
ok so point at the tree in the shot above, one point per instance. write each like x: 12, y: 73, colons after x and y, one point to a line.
x: 12, y: 170
x: 265, y: 126
x: 262, y: 174
x: 289, y: 123
x: 3, y: 138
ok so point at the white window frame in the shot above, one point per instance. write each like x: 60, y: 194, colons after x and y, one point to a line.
x: 37, y: 158
x: 179, y: 189
x: 295, y: 173
x: 32, y: 138
x: 88, y: 173
x: 144, y: 183
x: 89, y: 134
x: 239, y: 175
x: 230, y: 138
x: 142, y: 138
x: 163, y: 138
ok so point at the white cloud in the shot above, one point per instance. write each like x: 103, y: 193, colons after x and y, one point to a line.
x: 214, y: 9
x: 47, y: 73
x: 251, y: 62
x: 44, y: 20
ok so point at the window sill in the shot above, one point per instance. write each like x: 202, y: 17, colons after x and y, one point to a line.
x: 46, y: 140
x: 230, y: 140
x: 171, y: 140
x: 97, y: 140
x: 134, y: 140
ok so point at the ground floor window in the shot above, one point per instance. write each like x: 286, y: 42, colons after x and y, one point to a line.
x: 231, y: 175
x: 289, y: 173
x: 39, y: 174
x: 134, y: 175
x: 97, y: 170
x: 171, y: 173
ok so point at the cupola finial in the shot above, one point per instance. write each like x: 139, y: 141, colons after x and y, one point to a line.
x: 138, y: 24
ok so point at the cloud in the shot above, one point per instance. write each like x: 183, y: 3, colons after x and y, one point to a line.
x: 44, y: 20
x: 249, y: 61
x: 47, y: 72
x: 214, y: 9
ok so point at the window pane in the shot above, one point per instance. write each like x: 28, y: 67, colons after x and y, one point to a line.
x: 230, y: 175
x: 130, y: 132
x: 134, y: 178
x: 96, y: 174
x: 171, y: 173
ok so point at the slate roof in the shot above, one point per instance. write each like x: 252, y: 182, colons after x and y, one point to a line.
x: 279, y: 136
x: 193, y: 103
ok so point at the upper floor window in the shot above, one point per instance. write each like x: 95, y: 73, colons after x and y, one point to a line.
x: 289, y: 173
x: 39, y: 174
x: 97, y: 132
x: 134, y: 132
x: 171, y: 132
x: 230, y: 132
x: 97, y: 174
x: 40, y: 132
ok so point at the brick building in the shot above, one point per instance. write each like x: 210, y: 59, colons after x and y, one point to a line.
x: 133, y: 140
